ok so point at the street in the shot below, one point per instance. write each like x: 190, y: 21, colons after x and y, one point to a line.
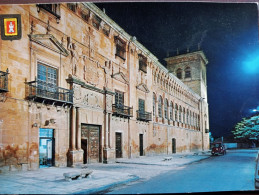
x: 232, y: 172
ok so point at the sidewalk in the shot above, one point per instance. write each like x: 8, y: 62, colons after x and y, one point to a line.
x: 104, y: 176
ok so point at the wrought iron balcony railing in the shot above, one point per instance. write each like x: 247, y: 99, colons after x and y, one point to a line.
x: 4, y: 81
x: 41, y: 90
x: 121, y: 110
x: 144, y: 116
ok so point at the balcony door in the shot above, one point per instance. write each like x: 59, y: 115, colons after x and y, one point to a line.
x: 46, y: 78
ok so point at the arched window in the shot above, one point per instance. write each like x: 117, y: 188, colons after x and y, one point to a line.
x: 166, y: 108
x: 180, y: 114
x: 187, y: 72
x: 176, y: 110
x: 154, y: 104
x: 160, y: 106
x: 171, y: 111
x: 179, y: 73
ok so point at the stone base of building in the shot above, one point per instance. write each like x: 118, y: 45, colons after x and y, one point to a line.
x: 108, y: 155
x: 75, y: 158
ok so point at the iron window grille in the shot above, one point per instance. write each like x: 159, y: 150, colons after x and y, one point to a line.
x: 120, y: 48
x: 96, y: 21
x: 72, y: 6
x: 4, y: 81
x: 53, y: 9
x: 142, y: 63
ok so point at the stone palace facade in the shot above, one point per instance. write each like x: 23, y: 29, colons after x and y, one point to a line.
x: 75, y: 88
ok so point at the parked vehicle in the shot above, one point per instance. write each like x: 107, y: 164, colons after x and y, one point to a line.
x: 218, y: 148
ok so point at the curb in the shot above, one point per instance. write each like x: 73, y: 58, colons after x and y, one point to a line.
x: 106, y: 187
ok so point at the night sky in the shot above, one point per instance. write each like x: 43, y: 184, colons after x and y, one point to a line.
x: 228, y: 35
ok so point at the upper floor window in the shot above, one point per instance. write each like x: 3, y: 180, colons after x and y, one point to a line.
x: 141, y: 106
x: 187, y: 117
x: 179, y: 73
x: 166, y: 108
x: 176, y: 110
x: 106, y: 29
x: 85, y: 15
x: 187, y: 72
x: 180, y: 114
x: 96, y: 21
x: 72, y: 6
x: 142, y: 63
x: 171, y: 111
x: 119, y: 98
x: 54, y: 9
x: 47, y: 77
x: 154, y: 104
x: 120, y: 48
x: 183, y: 115
x: 160, y: 106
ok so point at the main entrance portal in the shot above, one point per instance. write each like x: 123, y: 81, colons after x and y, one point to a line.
x: 90, y: 143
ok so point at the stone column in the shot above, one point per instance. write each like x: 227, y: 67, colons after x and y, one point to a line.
x: 78, y: 129
x: 73, y: 128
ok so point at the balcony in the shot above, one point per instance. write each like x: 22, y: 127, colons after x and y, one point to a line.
x: 49, y: 93
x: 144, y: 116
x: 122, y: 111
x: 4, y: 81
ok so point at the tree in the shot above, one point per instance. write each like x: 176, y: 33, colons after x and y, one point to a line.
x: 247, y: 130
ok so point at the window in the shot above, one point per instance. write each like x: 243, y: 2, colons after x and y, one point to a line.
x: 179, y: 73
x: 176, y: 110
x: 120, y: 48
x: 190, y: 118
x: 141, y: 106
x: 96, y: 21
x: 160, y: 106
x: 180, y: 114
x: 85, y: 15
x: 187, y: 117
x: 183, y: 116
x: 106, y: 29
x: 54, y: 9
x: 171, y: 111
x: 188, y: 72
x: 47, y: 77
x: 142, y: 63
x: 166, y: 108
x: 154, y: 104
x: 119, y: 98
x: 72, y: 6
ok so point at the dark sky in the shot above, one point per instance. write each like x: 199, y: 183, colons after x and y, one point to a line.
x: 228, y: 35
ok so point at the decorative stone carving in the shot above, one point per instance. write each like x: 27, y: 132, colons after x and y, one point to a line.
x: 74, y: 55
x: 143, y: 87
x: 120, y: 77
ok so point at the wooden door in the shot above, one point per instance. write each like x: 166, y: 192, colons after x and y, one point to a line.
x: 91, y: 133
x: 141, y: 152
x: 118, y: 145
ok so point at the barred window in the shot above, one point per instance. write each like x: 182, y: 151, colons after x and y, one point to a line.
x: 120, y: 48
x: 72, y: 6
x: 179, y: 73
x: 176, y: 112
x: 171, y: 111
x: 154, y: 104
x: 180, y: 114
x: 142, y: 63
x: 166, y: 108
x: 160, y: 106
x: 188, y: 72
x: 96, y: 21
x: 141, y: 106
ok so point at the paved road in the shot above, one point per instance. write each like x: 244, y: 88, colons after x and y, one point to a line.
x: 232, y: 172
